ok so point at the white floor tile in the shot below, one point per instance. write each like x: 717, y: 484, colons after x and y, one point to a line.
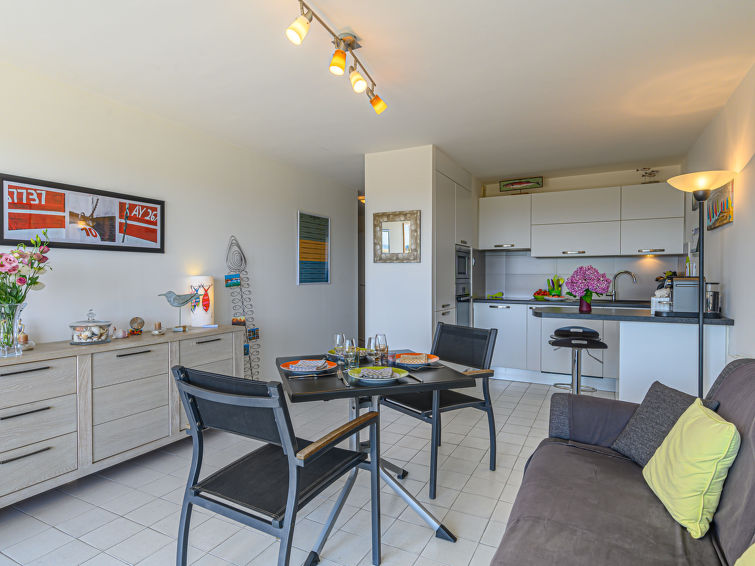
x: 111, y: 533
x: 36, y: 546
x: 70, y: 554
x: 139, y: 546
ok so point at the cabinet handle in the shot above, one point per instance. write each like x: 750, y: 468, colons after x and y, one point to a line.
x: 25, y: 413
x: 651, y: 250
x: 499, y: 306
x: 463, y: 242
x: 503, y: 245
x: 574, y: 252
x: 444, y: 313
x: 23, y: 371
x: 9, y: 460
x: 445, y: 306
x: 132, y: 353
x: 208, y: 341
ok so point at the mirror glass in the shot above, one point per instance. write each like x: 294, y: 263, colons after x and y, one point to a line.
x: 396, y: 236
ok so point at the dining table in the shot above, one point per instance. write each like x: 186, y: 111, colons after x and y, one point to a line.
x: 336, y: 383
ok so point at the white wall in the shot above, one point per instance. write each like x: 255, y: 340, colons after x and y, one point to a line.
x: 212, y: 189
x: 398, y: 296
x: 728, y: 142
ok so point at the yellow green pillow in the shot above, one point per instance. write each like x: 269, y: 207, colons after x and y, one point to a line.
x: 748, y: 558
x: 688, y: 470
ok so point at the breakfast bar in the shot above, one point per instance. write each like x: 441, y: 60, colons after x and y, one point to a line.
x: 656, y: 347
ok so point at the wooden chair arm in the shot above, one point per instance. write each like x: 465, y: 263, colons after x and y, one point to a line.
x: 336, y: 435
x: 478, y: 372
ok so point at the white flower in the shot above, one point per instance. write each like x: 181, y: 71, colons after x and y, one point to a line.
x: 38, y: 286
x: 24, y: 270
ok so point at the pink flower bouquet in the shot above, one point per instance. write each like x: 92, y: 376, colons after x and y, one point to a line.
x: 586, y: 281
x: 21, y: 268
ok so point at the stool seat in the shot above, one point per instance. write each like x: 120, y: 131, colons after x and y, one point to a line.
x: 574, y: 331
x: 581, y: 343
x: 577, y: 338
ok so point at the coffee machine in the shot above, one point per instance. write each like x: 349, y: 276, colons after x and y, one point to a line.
x: 684, y: 298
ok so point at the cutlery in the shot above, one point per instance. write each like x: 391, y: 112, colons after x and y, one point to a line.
x: 415, y: 378
x: 343, y: 378
x: 310, y: 375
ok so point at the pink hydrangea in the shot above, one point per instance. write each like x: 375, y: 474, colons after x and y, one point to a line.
x: 8, y: 263
x: 587, y: 278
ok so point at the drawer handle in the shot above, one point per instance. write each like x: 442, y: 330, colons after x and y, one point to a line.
x: 444, y: 313
x: 445, y: 306
x: 651, y: 250
x: 463, y: 242
x: 23, y: 371
x: 499, y: 306
x: 9, y: 460
x: 132, y: 353
x: 503, y: 245
x: 574, y: 252
x: 25, y: 413
x: 208, y: 341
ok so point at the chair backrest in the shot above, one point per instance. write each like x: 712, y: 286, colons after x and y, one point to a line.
x: 734, y: 521
x: 464, y: 345
x: 249, y: 408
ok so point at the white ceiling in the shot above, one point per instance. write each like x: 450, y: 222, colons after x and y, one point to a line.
x: 505, y: 87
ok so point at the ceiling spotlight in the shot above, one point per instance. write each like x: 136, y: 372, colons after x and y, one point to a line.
x: 338, y: 62
x: 377, y: 103
x: 297, y: 31
x: 357, y: 80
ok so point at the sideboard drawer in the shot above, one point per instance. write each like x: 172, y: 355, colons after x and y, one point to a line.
x: 35, y: 381
x: 34, y: 422
x: 197, y: 351
x: 117, y: 436
x: 124, y: 399
x: 118, y: 366
x: 38, y: 462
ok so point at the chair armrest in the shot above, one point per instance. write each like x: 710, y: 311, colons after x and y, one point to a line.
x: 334, y: 437
x: 591, y: 420
x: 479, y: 372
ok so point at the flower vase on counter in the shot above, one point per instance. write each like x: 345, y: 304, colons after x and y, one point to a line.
x: 20, y: 269
x: 584, y: 306
x: 585, y: 282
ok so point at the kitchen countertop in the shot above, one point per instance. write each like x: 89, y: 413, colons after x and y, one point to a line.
x: 624, y: 314
x: 571, y: 302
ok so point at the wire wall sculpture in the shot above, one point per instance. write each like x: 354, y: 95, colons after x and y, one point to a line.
x: 242, y: 309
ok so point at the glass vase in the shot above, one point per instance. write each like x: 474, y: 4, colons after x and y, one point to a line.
x: 9, y: 345
x: 584, y: 306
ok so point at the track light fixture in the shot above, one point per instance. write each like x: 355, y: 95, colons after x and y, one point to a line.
x: 345, y: 45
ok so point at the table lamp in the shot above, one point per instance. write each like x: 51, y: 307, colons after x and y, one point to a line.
x: 203, y: 306
x: 700, y: 184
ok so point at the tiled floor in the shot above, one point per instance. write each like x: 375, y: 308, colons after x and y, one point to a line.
x: 129, y: 514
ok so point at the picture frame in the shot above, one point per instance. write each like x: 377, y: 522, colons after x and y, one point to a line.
x: 312, y: 249
x: 80, y: 217
x: 396, y: 237
x: 719, y: 209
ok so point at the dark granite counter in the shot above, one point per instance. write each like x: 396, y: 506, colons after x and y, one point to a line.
x: 623, y: 314
x: 617, y: 304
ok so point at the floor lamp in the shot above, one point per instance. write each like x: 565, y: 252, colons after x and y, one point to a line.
x: 701, y: 184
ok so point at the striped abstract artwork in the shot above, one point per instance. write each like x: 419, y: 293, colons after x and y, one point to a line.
x: 314, y: 249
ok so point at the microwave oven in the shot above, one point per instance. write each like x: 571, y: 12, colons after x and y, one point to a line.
x: 463, y: 262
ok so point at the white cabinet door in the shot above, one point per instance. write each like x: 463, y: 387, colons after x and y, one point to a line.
x: 465, y: 213
x: 582, y: 239
x: 511, y: 323
x: 559, y: 360
x: 504, y: 222
x: 652, y: 200
x: 446, y: 315
x: 611, y: 355
x: 661, y: 236
x: 587, y: 205
x: 444, y: 251
x: 534, y: 340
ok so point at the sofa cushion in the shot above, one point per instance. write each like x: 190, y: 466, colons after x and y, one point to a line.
x: 652, y: 421
x: 579, y: 504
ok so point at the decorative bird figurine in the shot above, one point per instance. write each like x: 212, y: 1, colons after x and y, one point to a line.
x: 178, y: 301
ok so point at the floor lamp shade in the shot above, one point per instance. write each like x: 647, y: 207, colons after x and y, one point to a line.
x: 202, y: 307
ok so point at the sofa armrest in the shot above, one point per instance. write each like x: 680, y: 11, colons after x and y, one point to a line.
x: 591, y: 420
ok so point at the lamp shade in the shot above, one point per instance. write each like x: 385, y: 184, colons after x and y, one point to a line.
x: 701, y: 180
x: 203, y: 306
x: 357, y: 81
x: 297, y: 31
x: 378, y: 104
x: 338, y: 62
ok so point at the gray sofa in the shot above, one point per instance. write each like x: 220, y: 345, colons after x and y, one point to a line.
x: 581, y: 503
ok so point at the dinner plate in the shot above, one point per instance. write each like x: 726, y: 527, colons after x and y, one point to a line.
x: 355, y: 374
x: 431, y: 359
x: 287, y: 366
x: 555, y: 298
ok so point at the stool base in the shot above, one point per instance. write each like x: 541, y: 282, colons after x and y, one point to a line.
x: 582, y: 388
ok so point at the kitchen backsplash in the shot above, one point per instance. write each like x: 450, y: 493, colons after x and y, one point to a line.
x: 518, y: 274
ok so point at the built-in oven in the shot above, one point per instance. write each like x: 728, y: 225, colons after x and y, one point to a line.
x: 463, y: 302
x: 463, y: 262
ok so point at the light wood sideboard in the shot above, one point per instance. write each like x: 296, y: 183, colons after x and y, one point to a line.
x: 68, y: 411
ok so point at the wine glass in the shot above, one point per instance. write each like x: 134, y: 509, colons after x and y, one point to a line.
x: 340, y: 346
x: 370, y: 346
x: 381, y: 346
x: 350, y: 353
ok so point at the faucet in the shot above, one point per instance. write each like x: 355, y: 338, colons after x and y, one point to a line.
x: 614, y: 294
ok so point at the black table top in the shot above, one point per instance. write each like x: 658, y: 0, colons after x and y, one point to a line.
x: 331, y: 387
x: 627, y: 315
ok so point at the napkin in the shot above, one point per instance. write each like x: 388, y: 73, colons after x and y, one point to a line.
x: 309, y: 365
x: 413, y: 359
x: 382, y: 373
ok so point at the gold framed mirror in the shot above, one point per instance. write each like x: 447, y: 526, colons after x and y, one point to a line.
x: 396, y: 237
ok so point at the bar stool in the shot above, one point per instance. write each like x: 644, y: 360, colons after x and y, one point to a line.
x: 577, y: 338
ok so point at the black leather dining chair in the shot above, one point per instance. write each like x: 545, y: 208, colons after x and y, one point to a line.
x: 265, y: 488
x: 465, y: 346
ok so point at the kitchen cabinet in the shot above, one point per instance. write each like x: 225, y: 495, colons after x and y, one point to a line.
x: 465, y: 213
x: 611, y: 354
x: 444, y: 250
x: 660, y: 236
x: 505, y: 222
x: 651, y: 200
x: 534, y: 328
x: 578, y: 239
x: 511, y: 342
x: 587, y: 205
x: 558, y: 360
x: 446, y: 315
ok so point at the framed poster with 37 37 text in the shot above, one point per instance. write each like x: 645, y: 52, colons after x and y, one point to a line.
x: 78, y: 217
